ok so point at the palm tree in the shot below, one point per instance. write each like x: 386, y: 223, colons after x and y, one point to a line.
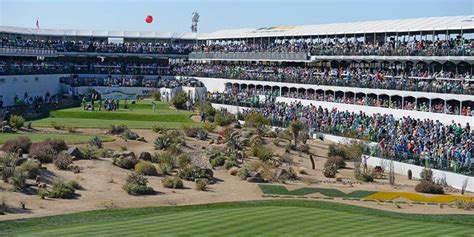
x: 295, y: 127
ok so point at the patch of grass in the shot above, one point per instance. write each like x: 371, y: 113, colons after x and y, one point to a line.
x: 39, y: 137
x: 329, y: 192
x: 269, y: 218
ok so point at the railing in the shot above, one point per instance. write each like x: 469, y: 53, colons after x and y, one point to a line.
x: 250, y: 56
x: 6, y: 51
x: 460, y: 51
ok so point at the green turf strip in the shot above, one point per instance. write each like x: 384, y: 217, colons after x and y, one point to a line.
x: 69, y: 138
x: 255, y: 218
x: 99, y: 123
x: 329, y: 192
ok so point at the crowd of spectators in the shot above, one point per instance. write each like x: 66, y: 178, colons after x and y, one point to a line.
x: 414, y: 47
x: 252, y: 97
x: 129, y: 81
x: 446, y: 146
x: 27, y: 99
x: 410, y: 79
x: 98, y: 46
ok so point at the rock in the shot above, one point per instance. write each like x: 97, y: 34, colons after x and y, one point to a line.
x: 74, y: 151
x: 132, y: 135
x: 233, y: 171
x: 209, y: 173
x: 42, y: 185
x: 255, y: 179
x: 75, y: 169
x: 20, y: 161
x: 25, y: 156
x: 145, y: 156
x: 212, y: 141
x: 281, y: 174
x: 203, y: 147
x: 255, y: 174
x: 141, y: 139
x: 7, y: 129
x: 124, y: 154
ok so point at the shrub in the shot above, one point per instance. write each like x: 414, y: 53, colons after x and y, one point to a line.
x: 183, y: 160
x: 192, y: 172
x: 74, y: 184
x: 56, y: 144
x: 426, y: 186
x: 336, y: 150
x: 165, y: 157
x: 136, y: 184
x: 96, y: 141
x: 262, y: 153
x: 179, y: 100
x: 218, y: 161
x: 71, y: 129
x: 189, y: 131
x: 229, y: 163
x: 127, y: 163
x: 14, y: 145
x: 201, y: 134
x: 366, y: 177
x: 244, y: 172
x: 256, y: 120
x: 162, y: 142
x: 172, y: 182
x: 7, y: 166
x: 62, y: 161
x: 201, y: 184
x: 89, y: 153
x: 330, y: 171
x: 42, y: 193
x: 224, y: 118
x: 426, y: 174
x: 206, y: 109
x: 208, y: 126
x: 157, y: 129
x: 18, y: 180
x: 145, y: 168
x: 117, y: 129
x: 42, y: 152
x: 337, y: 161
x: 156, y: 95
x: 61, y: 190
x: 17, y: 121
x: 3, y: 207
x: 30, y: 167
x: 56, y: 125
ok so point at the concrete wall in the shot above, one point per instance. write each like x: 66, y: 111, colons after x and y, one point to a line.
x: 34, y: 85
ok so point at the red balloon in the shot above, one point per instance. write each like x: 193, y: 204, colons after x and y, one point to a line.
x: 149, y: 19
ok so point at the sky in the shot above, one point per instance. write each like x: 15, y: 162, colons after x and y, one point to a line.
x: 175, y: 15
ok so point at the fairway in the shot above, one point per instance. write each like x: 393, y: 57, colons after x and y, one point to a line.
x: 138, y: 115
x: 69, y: 138
x: 258, y: 218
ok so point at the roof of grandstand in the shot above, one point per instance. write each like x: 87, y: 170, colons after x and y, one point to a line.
x: 403, y: 25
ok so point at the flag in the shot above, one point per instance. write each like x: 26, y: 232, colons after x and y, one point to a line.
x: 37, y: 24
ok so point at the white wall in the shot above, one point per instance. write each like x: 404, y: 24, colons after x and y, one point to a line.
x: 34, y: 85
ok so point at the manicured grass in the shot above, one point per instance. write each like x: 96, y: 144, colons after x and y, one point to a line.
x: 69, y: 138
x: 329, y: 192
x: 136, y: 116
x: 255, y: 218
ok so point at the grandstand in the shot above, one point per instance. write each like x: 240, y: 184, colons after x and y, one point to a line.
x: 417, y: 68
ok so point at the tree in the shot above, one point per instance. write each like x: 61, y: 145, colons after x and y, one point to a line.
x: 295, y: 127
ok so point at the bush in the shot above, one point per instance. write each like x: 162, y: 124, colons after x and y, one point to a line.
x: 127, y: 163
x: 201, y: 184
x: 192, y: 172
x: 208, y: 126
x: 337, y: 161
x: 117, y: 129
x: 61, y: 190
x: 42, y: 193
x: 172, y: 182
x: 17, y: 121
x: 42, y: 152
x: 30, y: 167
x: 183, y: 161
x: 366, y: 177
x: 18, y: 180
x: 136, y: 184
x: 256, y: 120
x: 56, y: 125
x: 262, y: 153
x: 14, y: 145
x: 156, y: 95
x: 336, y: 150
x: 71, y: 129
x: 244, y: 172
x: 7, y: 166
x: 74, y: 184
x: 224, y: 118
x: 89, y: 153
x: 157, y: 129
x: 162, y: 142
x: 56, y: 144
x: 62, y: 161
x: 426, y: 186
x: 96, y: 141
x: 330, y: 171
x: 189, y: 131
x: 201, y: 134
x: 229, y: 163
x: 218, y: 161
x: 179, y: 100
x: 145, y: 168
x: 426, y: 174
x: 3, y: 207
x: 206, y: 109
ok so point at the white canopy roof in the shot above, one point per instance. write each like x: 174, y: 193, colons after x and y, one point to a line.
x: 404, y: 25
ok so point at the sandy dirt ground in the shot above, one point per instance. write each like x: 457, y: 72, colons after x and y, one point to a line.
x: 102, y: 183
